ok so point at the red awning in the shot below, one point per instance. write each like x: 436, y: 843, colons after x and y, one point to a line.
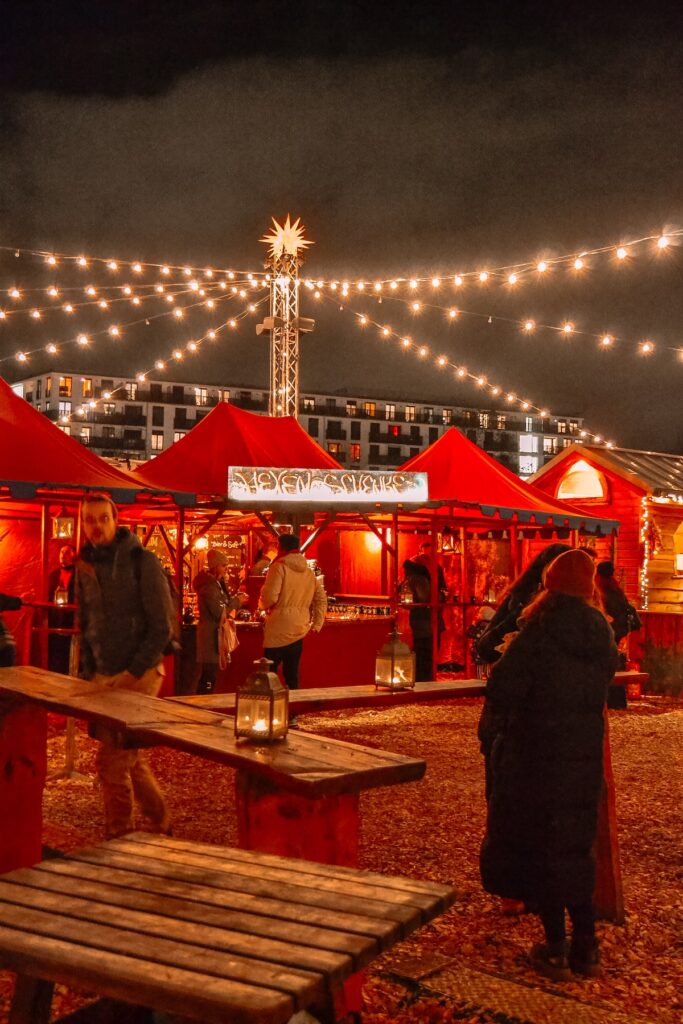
x: 461, y: 474
x: 229, y: 436
x: 36, y: 455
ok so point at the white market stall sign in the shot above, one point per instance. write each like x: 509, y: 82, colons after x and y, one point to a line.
x: 249, y: 484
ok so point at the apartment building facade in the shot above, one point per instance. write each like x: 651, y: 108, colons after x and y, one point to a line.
x: 126, y: 419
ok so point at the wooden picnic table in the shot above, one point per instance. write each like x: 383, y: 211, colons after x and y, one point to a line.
x: 208, y: 932
x: 298, y: 797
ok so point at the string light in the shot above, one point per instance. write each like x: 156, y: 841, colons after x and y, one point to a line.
x: 461, y: 372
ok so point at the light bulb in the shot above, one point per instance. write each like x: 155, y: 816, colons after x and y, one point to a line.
x: 622, y: 253
x: 512, y: 279
x: 541, y: 267
x: 483, y: 277
x: 567, y: 328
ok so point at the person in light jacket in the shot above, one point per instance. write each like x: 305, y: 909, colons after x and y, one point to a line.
x: 294, y: 603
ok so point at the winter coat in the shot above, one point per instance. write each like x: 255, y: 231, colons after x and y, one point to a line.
x: 419, y: 583
x: 125, y: 607
x: 548, y: 694
x: 617, y: 607
x: 213, y: 600
x: 293, y: 599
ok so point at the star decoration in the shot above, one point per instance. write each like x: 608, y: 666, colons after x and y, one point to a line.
x: 286, y: 238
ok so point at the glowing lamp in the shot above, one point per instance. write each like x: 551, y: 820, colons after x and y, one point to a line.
x: 395, y: 665
x: 262, y: 706
x: 61, y: 596
x: 63, y: 526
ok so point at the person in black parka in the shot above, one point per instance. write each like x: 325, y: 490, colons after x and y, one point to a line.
x: 547, y: 692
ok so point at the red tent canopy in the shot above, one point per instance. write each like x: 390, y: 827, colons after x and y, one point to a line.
x: 35, y: 455
x: 461, y: 474
x: 229, y: 436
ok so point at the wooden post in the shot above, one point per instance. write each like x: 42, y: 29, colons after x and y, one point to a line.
x: 608, y: 897
x: 271, y: 820
x: 23, y: 764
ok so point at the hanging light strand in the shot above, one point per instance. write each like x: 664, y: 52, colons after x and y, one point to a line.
x: 509, y: 274
x: 423, y: 351
x: 84, y: 338
x: 527, y: 325
x: 177, y: 354
x: 54, y: 259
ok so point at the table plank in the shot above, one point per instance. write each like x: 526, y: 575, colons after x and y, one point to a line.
x: 161, y: 922
x: 198, y: 910
x: 335, y: 698
x: 241, y: 870
x: 385, y: 933
x: 302, y: 763
x: 232, y: 855
x: 172, y: 989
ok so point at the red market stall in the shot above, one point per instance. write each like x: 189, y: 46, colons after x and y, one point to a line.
x: 486, y: 524
x: 645, y: 490
x: 230, y: 439
x: 43, y: 475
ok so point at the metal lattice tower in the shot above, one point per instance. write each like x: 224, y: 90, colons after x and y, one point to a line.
x: 286, y: 246
x: 284, y: 336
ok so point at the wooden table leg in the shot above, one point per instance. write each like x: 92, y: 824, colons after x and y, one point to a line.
x: 23, y: 767
x: 272, y: 820
x: 32, y: 1001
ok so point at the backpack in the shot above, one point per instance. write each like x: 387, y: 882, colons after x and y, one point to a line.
x: 174, y: 645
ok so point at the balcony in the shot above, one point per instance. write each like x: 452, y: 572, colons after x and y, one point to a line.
x: 110, y: 444
x: 253, y: 404
x: 334, y: 433
x: 378, y: 436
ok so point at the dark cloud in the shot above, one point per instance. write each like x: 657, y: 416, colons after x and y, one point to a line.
x: 402, y: 162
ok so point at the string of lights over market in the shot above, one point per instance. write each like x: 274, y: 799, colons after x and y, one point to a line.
x: 209, y: 286
x: 462, y: 374
x: 177, y: 354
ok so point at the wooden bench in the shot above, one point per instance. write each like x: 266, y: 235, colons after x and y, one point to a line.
x: 334, y: 698
x: 208, y: 932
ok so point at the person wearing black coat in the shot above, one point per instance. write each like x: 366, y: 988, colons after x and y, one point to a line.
x: 547, y: 692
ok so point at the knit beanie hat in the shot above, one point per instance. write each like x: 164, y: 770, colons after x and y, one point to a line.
x: 214, y: 558
x: 571, y: 573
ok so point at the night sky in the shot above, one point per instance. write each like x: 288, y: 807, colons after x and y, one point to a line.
x: 412, y: 140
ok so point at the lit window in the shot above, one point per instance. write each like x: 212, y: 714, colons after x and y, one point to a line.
x: 201, y: 396
x: 109, y: 408
x: 549, y: 446
x: 528, y: 423
x: 528, y: 443
x: 333, y: 447
x: 157, y: 440
x: 351, y: 408
x: 309, y: 404
x: 447, y: 417
x: 64, y: 408
x: 65, y: 387
x: 410, y: 414
x: 582, y: 481
x: 87, y: 387
x: 369, y: 408
x: 86, y: 434
x: 561, y: 427
x: 178, y: 434
x: 389, y: 412
x: 354, y: 453
x: 500, y: 422
x: 484, y: 420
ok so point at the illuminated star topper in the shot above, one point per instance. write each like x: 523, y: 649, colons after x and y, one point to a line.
x: 286, y: 238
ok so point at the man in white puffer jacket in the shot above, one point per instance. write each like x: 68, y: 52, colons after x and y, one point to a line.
x: 295, y: 603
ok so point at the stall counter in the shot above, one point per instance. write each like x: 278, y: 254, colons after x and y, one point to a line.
x: 341, y: 654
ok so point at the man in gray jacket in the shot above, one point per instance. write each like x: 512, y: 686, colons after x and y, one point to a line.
x: 126, y: 624
x: 294, y: 603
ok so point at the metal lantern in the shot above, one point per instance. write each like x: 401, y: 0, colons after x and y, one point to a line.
x: 262, y: 706
x: 395, y: 665
x: 63, y: 526
x: 61, y: 596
